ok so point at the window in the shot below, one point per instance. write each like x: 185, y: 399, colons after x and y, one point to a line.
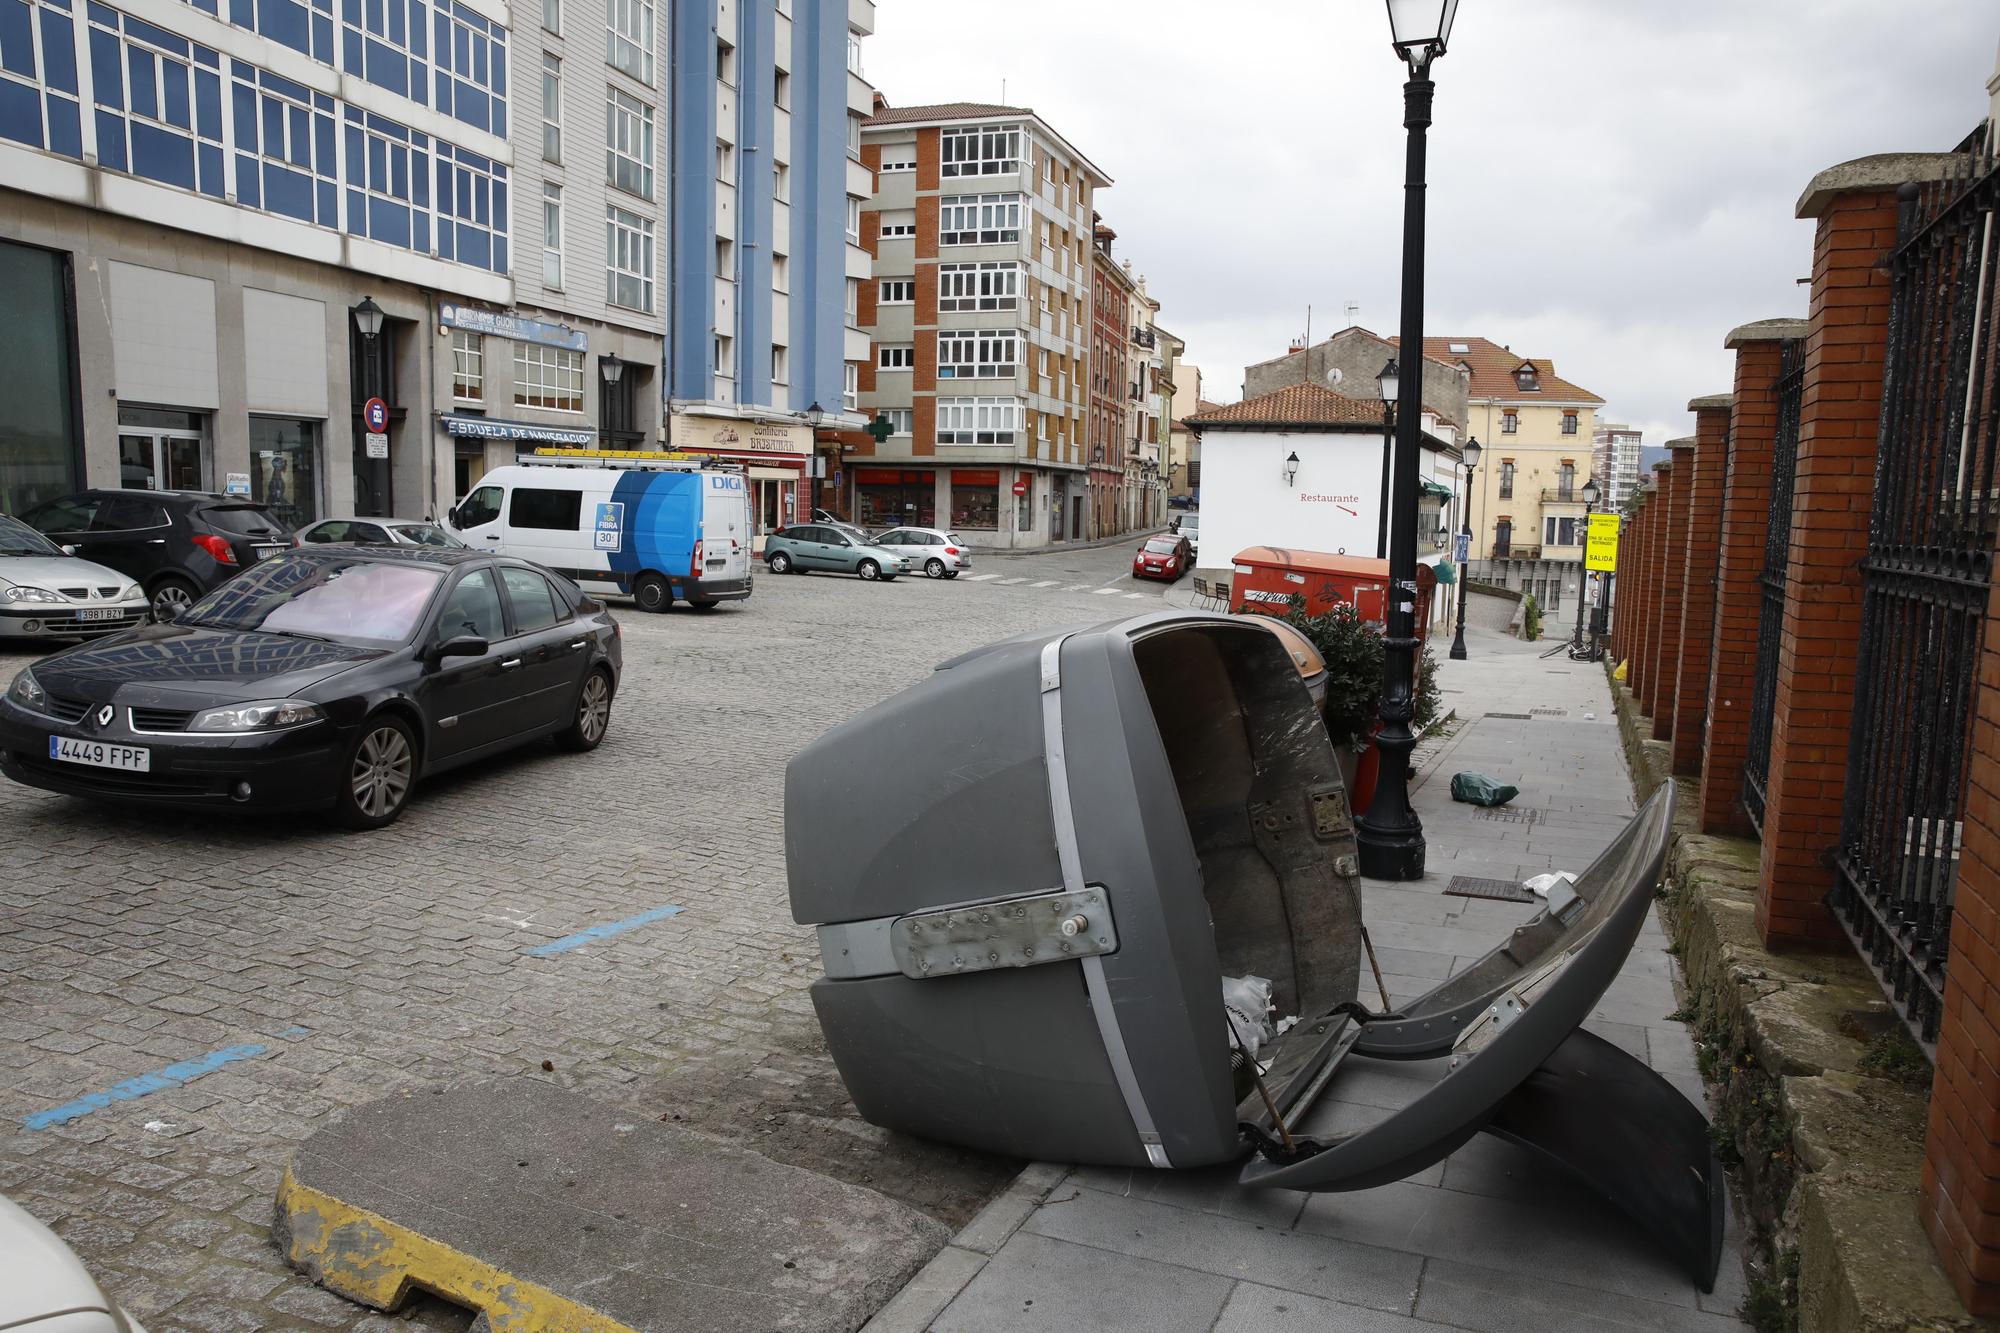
x: 853, y: 54
x: 984, y: 355
x: 902, y: 357
x: 480, y: 507
x: 725, y: 257
x: 979, y: 219
x: 781, y: 273
x: 548, y: 377
x: 552, y: 15
x: 1566, y: 480
x: 552, y: 235
x: 977, y: 420
x: 854, y: 137
x: 534, y: 602
x: 1569, y: 423
x: 725, y: 162
x: 853, y: 302
x: 781, y: 90
x: 628, y: 258
x: 539, y: 507
x: 899, y: 291
x: 1510, y: 422
x: 990, y: 150
x: 901, y: 420
x: 898, y: 159
x: 1507, y: 479
x: 899, y: 222
x: 781, y: 186
x: 725, y: 355
x: 468, y: 367
x: 979, y: 287
x: 551, y: 108
x: 628, y: 37
x: 853, y: 218
x: 1527, y: 380
x: 473, y: 609
x: 725, y: 63
x: 850, y: 386
x: 628, y: 143
x: 781, y: 365
x: 1559, y: 531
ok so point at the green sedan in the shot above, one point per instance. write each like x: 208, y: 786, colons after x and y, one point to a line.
x: 817, y: 546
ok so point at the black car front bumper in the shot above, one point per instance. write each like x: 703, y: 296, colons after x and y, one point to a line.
x: 293, y: 769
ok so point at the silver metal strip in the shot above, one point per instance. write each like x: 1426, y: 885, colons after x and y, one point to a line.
x: 1071, y: 860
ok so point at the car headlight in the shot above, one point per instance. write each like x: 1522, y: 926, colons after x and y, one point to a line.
x: 264, y: 715
x: 23, y: 593
x: 27, y: 691
x: 133, y: 593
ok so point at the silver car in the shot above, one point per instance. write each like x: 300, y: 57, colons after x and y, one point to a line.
x: 941, y: 555
x: 379, y: 532
x: 43, y: 1285
x: 46, y: 593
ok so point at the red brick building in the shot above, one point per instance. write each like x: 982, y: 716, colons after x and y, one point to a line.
x: 1110, y: 369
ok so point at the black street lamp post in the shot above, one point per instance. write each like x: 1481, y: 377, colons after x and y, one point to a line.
x: 1390, y: 380
x: 1390, y: 836
x: 1469, y: 453
x: 372, y: 491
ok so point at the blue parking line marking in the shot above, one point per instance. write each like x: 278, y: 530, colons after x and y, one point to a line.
x: 173, y: 1076
x: 605, y: 931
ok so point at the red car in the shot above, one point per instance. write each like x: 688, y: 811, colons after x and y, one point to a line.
x: 1166, y: 558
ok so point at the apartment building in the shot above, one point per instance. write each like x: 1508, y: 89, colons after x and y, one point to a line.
x: 765, y: 236
x: 979, y: 310
x: 1614, y: 462
x: 197, y: 204
x: 1112, y: 291
x: 1145, y: 498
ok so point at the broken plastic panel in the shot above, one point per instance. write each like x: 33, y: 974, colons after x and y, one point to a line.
x: 1069, y: 839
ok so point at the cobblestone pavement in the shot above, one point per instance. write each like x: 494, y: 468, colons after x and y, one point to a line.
x: 318, y: 970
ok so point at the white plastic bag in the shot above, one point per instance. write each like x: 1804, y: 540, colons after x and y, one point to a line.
x: 1247, y: 1002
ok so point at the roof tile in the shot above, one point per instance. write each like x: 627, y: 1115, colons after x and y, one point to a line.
x: 1295, y: 404
x: 1493, y: 368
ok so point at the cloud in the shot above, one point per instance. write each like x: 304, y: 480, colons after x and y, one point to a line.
x: 1610, y: 185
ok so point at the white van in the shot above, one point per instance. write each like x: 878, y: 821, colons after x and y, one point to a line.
x: 657, y: 534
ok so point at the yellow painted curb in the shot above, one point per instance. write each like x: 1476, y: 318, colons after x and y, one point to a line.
x: 367, y: 1258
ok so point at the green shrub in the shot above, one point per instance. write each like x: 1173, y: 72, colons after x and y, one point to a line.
x: 1353, y: 651
x: 1531, y: 618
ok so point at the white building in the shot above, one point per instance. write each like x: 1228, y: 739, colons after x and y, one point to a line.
x: 1614, y: 462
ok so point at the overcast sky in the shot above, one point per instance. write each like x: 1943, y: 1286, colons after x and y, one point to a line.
x: 1612, y: 182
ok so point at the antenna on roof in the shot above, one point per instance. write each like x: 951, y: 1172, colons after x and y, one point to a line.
x: 1003, y: 92
x: 1309, y: 326
x: 1353, y: 308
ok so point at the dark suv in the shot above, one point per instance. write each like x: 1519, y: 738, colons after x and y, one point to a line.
x: 176, y: 545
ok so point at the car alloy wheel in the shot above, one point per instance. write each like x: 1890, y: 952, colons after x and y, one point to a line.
x: 593, y: 712
x: 869, y: 571
x: 933, y: 568
x: 652, y: 594
x: 380, y: 777
x: 171, y: 596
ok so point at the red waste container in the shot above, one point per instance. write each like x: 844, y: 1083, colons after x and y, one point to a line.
x: 1266, y: 577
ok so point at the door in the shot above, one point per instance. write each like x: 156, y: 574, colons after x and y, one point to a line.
x: 65, y: 522
x: 129, y: 533
x: 725, y: 527
x: 766, y: 516
x: 468, y: 697
x: 160, y: 460
x: 902, y: 542
x: 478, y: 517
x: 548, y: 646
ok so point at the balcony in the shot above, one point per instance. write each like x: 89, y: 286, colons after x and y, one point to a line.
x: 1563, y: 495
x: 1144, y: 338
x: 1514, y: 552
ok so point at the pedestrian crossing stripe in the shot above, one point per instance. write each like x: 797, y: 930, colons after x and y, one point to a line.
x: 980, y: 578
x: 1047, y: 583
x: 1006, y: 582
x: 1077, y: 587
x: 1107, y: 592
x: 1136, y: 596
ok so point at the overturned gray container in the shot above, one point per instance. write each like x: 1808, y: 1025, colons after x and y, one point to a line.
x: 1062, y: 845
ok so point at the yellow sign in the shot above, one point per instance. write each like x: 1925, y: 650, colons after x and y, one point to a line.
x: 1601, y: 552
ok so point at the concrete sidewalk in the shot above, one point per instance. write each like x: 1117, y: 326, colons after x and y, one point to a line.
x: 1488, y: 1239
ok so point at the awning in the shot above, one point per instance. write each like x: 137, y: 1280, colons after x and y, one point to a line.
x: 1436, y: 488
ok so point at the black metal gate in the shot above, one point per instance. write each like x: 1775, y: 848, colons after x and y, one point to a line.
x: 1790, y: 386
x: 1925, y: 585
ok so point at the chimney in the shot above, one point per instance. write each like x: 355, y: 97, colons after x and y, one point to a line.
x: 1298, y: 345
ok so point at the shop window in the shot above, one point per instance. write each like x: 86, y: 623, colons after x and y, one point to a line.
x: 890, y: 497
x: 40, y: 460
x: 285, y: 467
x: 975, y: 500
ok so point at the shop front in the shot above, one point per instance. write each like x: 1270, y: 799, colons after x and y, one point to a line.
x: 773, y: 454
x: 893, y: 497
x: 975, y: 500
x: 39, y: 437
x: 285, y: 471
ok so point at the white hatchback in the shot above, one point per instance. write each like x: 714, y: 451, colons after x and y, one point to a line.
x: 940, y: 555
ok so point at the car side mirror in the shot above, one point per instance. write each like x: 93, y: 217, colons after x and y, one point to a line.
x: 69, y: 550
x: 462, y: 645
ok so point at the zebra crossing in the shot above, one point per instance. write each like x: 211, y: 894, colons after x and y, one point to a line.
x: 1056, y: 585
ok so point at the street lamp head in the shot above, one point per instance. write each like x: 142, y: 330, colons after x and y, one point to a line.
x: 1469, y: 451
x: 1292, y: 467
x: 1390, y: 380
x: 815, y: 414
x: 368, y: 317
x: 611, y: 368
x: 1590, y: 491
x: 1420, y: 29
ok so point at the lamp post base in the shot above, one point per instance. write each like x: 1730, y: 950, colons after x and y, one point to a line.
x: 1393, y: 855
x: 1458, y: 646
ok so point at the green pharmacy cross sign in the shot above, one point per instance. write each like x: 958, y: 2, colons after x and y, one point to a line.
x: 880, y: 428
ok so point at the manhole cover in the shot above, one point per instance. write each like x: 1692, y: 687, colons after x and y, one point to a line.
x: 1504, y: 890
x: 1513, y: 717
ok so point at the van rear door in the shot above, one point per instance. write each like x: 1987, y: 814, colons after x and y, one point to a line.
x: 725, y: 526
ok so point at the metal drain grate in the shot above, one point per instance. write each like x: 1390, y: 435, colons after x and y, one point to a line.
x: 1513, y: 717
x: 1501, y: 890
x: 1549, y: 712
x: 1503, y: 814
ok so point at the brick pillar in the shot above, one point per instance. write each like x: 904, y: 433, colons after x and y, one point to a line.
x: 1642, y: 586
x: 1661, y: 680
x: 1746, y: 515
x: 1705, y: 458
x: 1649, y: 564
x: 1840, y: 407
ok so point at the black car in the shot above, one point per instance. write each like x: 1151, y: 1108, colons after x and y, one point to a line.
x: 331, y: 677
x: 176, y: 545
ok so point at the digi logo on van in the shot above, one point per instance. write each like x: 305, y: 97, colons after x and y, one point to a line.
x: 724, y: 482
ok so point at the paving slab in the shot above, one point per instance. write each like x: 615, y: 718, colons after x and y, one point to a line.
x: 545, y: 1210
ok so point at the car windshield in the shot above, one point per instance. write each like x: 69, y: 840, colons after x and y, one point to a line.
x: 17, y: 538
x: 366, y: 603
x: 1163, y: 545
x: 423, y: 534
x: 1191, y: 523
x: 243, y: 520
